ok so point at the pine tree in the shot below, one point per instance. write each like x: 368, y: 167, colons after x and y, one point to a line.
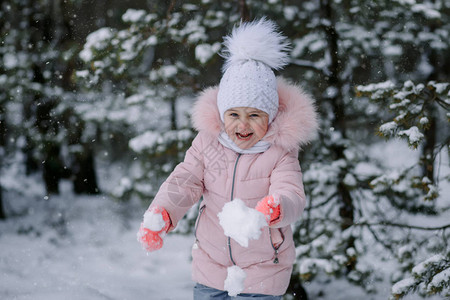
x: 37, y: 91
x: 159, y: 57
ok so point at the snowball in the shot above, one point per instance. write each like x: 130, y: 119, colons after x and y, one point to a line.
x: 240, y: 222
x: 234, y: 283
x: 153, y: 221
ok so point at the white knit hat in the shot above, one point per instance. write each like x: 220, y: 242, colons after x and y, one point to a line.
x: 251, y: 52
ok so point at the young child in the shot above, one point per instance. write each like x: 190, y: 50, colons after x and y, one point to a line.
x: 250, y: 130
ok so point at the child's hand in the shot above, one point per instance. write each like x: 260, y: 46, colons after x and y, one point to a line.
x: 154, y: 228
x: 271, y: 208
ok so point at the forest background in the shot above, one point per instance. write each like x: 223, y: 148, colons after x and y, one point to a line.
x: 93, y: 87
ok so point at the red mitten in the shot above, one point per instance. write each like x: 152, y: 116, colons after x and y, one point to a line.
x: 153, y: 229
x: 271, y: 208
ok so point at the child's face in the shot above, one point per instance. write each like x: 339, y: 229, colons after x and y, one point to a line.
x: 245, y: 125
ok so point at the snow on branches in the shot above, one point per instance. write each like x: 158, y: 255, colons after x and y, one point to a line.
x: 429, y: 277
x: 411, y: 107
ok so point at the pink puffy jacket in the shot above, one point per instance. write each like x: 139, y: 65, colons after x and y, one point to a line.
x: 221, y: 175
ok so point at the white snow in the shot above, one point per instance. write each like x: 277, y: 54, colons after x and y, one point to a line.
x: 96, y: 40
x: 151, y: 139
x: 204, y: 52
x: 427, y: 11
x: 350, y: 180
x: 240, y: 222
x: 440, y: 279
x: 79, y: 247
x: 440, y: 87
x: 377, y: 89
x: 84, y: 247
x: 147, y: 140
x: 392, y: 50
x: 10, y: 61
x: 413, y: 134
x: 424, y: 120
x: 388, y: 128
x: 133, y: 15
x: 153, y: 221
x: 309, y: 264
x: 130, y: 48
x: 421, y: 268
x: 82, y: 74
x: 164, y: 73
x: 403, y: 286
x: 169, y: 71
x: 98, y: 257
x: 152, y: 41
x: 290, y: 12
x: 234, y: 283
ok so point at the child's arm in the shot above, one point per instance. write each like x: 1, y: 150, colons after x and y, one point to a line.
x: 286, y: 189
x: 184, y: 187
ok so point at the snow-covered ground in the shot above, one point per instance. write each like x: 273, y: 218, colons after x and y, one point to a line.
x: 77, y: 248
x: 71, y: 247
x: 85, y: 248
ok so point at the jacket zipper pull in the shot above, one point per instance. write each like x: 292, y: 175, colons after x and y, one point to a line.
x: 195, y: 246
x: 275, y: 261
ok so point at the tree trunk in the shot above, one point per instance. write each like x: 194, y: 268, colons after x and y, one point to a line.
x: 52, y: 167
x: 431, y: 133
x: 3, y: 127
x: 296, y: 289
x: 2, y: 211
x: 429, y: 146
x: 83, y: 167
x: 173, y: 115
x: 85, y: 179
x: 43, y: 107
x: 2, y: 155
x: 346, y: 209
x: 244, y: 11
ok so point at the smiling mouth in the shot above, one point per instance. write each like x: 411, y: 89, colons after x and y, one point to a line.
x: 245, y: 136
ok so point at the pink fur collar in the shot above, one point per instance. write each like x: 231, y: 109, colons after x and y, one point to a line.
x: 294, y: 125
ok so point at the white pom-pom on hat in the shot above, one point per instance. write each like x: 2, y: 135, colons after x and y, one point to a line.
x: 257, y: 40
x: 252, y: 50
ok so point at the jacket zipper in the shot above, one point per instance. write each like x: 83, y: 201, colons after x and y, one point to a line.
x: 231, y: 199
x: 275, y: 248
x: 200, y: 212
